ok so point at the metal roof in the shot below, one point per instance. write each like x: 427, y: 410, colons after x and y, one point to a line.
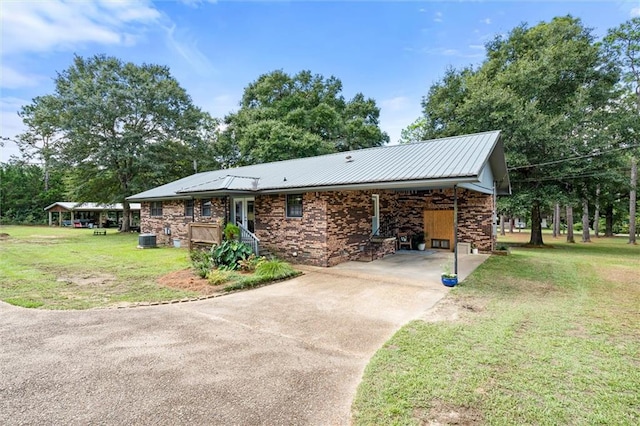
x: 429, y: 164
x: 71, y: 206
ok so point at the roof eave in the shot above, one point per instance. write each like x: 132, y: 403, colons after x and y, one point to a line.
x: 398, y: 185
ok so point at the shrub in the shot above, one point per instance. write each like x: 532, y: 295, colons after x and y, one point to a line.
x: 227, y: 254
x: 275, y: 269
x: 249, y: 264
x: 267, y: 271
x: 201, y: 261
x: 417, y: 238
x: 231, y: 231
x: 218, y: 276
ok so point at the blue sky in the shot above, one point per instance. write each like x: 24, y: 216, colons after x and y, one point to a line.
x: 390, y: 51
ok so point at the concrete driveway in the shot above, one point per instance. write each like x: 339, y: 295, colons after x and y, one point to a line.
x: 290, y: 353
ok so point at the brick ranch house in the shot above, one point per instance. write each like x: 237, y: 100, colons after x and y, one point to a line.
x: 328, y: 209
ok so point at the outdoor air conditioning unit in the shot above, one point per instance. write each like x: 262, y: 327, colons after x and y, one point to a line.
x: 147, y: 241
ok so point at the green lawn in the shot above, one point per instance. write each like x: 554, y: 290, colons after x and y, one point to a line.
x: 544, y: 336
x: 65, y: 268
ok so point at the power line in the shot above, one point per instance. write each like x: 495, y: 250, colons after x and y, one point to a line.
x: 559, y: 178
x: 548, y: 163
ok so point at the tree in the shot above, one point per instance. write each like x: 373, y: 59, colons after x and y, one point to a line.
x: 623, y: 43
x: 541, y: 87
x: 43, y: 137
x: 283, y: 117
x: 122, y: 128
x: 22, y: 196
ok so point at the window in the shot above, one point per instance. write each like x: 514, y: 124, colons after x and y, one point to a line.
x: 156, y: 208
x: 188, y: 207
x: 205, y: 208
x: 438, y: 243
x: 294, y: 205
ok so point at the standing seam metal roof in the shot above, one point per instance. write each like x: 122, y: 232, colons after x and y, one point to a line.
x: 439, y: 159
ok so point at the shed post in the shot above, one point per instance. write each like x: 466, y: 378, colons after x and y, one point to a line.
x: 455, y: 229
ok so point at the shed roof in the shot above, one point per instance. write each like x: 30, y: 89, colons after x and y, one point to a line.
x: 71, y: 206
x: 430, y: 164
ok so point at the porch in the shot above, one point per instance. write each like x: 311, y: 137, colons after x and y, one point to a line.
x: 411, y: 266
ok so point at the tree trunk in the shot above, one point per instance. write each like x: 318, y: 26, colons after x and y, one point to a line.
x: 556, y: 220
x: 502, y: 224
x: 511, y: 224
x: 586, y: 237
x: 536, y: 225
x: 596, y: 214
x: 126, y: 209
x: 570, y: 238
x: 632, y: 200
x: 608, y: 215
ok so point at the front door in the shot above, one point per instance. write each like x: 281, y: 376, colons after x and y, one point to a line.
x: 244, y: 213
x: 375, y: 214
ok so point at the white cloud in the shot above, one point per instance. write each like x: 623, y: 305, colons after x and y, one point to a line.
x: 42, y: 26
x: 635, y: 12
x: 180, y: 43
x: 476, y: 46
x: 486, y: 21
x: 12, y: 79
x: 196, y: 3
x: 10, y: 125
x: 397, y: 103
x: 438, y: 17
x: 441, y: 51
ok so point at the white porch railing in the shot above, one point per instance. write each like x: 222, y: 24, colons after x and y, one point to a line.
x: 250, y: 238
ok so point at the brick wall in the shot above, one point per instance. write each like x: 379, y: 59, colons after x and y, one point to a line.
x: 334, y: 224
x: 475, y: 212
x: 300, y: 240
x: 173, y: 217
x: 348, y: 224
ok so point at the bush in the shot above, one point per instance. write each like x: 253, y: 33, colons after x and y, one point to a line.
x: 275, y: 269
x: 231, y: 231
x: 251, y: 263
x: 202, y: 262
x: 218, y: 276
x: 266, y: 271
x: 227, y: 254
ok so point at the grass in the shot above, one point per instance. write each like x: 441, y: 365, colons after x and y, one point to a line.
x: 543, y: 336
x: 266, y: 272
x: 64, y: 268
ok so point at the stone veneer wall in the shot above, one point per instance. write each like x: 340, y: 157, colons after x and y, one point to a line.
x: 174, y: 218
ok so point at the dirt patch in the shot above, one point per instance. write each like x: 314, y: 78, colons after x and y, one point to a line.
x: 4, y: 236
x: 442, y: 413
x: 187, y: 280
x: 88, y: 280
x: 619, y: 274
x: 454, y: 310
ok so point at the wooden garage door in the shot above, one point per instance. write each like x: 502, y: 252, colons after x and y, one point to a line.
x: 438, y: 226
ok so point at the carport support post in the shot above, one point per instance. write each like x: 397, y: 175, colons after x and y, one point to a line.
x: 455, y: 229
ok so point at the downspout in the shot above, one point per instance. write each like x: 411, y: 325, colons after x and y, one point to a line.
x: 494, y: 218
x: 455, y: 229
x: 226, y: 211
